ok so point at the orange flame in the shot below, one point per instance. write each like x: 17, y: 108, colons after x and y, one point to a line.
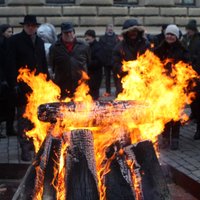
x: 160, y: 98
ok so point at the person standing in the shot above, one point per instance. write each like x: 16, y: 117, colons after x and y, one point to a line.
x: 108, y: 42
x: 133, y: 44
x: 95, y: 64
x: 69, y: 56
x: 172, y: 50
x: 25, y: 49
x: 47, y: 33
x: 7, y: 109
x: 191, y: 41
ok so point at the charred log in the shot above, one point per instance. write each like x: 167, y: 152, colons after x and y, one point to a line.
x: 118, y: 180
x: 154, y: 186
x: 51, y: 165
x: 81, y: 179
x: 52, y: 111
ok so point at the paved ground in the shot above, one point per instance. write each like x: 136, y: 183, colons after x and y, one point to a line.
x: 186, y: 159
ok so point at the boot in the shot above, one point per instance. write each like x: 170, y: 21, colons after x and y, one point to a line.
x: 25, y: 154
x: 197, y: 133
x: 174, y: 145
x: 165, y: 143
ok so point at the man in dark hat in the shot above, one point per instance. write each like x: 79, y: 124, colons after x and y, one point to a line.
x: 108, y: 42
x: 133, y: 44
x: 95, y: 64
x: 24, y: 49
x: 191, y: 40
x: 69, y: 56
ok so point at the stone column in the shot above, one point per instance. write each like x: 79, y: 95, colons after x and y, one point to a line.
x: 25, y: 2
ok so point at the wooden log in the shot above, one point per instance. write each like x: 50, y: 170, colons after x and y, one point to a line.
x: 51, y: 111
x: 52, y: 164
x: 154, y: 186
x: 118, y: 180
x: 26, y: 188
x: 81, y: 168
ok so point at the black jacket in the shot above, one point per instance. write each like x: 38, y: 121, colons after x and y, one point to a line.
x: 96, y: 61
x: 175, y: 51
x: 193, y: 46
x: 21, y: 52
x: 127, y: 52
x: 108, y: 42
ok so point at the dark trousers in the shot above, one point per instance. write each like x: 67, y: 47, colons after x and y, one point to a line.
x: 10, y: 120
x: 95, y: 82
x: 108, y: 72
x: 171, y: 129
x: 23, y: 125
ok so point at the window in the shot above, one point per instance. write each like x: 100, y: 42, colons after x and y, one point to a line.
x: 186, y: 2
x: 125, y: 1
x: 60, y: 1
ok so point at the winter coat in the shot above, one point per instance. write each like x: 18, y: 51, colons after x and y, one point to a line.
x: 174, y: 51
x: 21, y: 52
x: 95, y: 68
x: 68, y: 66
x: 108, y: 43
x: 193, y: 45
x: 127, y: 50
x: 7, y: 106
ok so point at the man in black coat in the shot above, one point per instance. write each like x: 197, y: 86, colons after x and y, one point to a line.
x: 108, y: 41
x: 95, y: 64
x: 25, y: 49
x: 133, y: 44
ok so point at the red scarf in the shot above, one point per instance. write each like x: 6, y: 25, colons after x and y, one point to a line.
x: 69, y: 46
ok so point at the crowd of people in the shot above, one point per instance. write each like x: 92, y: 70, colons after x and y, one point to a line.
x: 63, y: 57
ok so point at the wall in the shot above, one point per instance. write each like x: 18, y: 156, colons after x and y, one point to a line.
x: 96, y: 14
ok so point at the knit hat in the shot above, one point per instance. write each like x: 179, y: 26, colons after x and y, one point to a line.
x: 192, y: 25
x: 131, y: 24
x: 4, y: 27
x: 173, y: 29
x: 90, y: 33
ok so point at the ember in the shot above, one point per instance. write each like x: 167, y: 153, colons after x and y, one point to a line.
x: 103, y: 150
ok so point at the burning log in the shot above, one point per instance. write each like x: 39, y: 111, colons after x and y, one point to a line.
x: 118, y: 180
x: 52, y: 111
x: 153, y: 183
x: 49, y: 192
x: 81, y: 167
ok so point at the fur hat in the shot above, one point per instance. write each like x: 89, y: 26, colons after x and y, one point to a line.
x: 131, y: 24
x: 173, y: 29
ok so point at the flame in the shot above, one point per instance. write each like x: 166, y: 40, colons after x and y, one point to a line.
x: 42, y: 91
x: 160, y: 98
x: 164, y: 96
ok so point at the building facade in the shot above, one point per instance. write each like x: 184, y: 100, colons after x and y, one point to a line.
x: 96, y: 14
